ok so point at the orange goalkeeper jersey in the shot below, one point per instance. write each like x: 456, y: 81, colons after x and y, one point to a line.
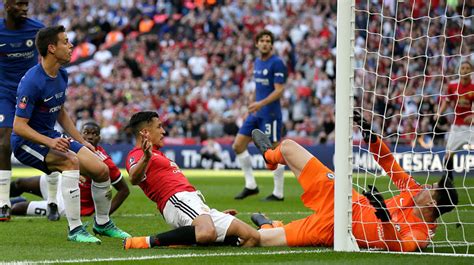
x: 410, y: 232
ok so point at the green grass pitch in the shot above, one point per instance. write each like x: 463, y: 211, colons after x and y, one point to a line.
x: 36, y: 240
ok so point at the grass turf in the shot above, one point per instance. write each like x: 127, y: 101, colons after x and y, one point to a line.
x: 35, y: 239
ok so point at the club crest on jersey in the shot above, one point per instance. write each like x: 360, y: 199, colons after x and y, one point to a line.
x: 2, y: 117
x: 29, y: 42
x: 23, y: 102
x: 265, y: 72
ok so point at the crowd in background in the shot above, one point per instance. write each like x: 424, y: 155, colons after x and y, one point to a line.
x: 191, y: 61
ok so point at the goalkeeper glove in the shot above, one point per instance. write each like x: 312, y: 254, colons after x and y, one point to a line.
x: 377, y: 201
x: 369, y: 137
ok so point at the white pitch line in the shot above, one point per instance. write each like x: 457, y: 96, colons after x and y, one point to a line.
x: 174, y: 256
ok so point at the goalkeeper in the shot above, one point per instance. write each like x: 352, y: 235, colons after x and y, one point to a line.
x: 405, y: 222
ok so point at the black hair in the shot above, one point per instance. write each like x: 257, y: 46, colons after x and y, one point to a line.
x: 264, y: 33
x: 91, y: 124
x: 47, y: 36
x: 139, y: 119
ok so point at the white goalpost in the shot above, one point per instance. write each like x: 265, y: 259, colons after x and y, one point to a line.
x: 397, y: 62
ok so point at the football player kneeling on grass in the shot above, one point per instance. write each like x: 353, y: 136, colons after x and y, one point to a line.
x: 90, y: 131
x: 181, y: 205
x: 405, y: 222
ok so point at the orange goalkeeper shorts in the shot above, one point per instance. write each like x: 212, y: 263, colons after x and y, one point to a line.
x: 317, y: 229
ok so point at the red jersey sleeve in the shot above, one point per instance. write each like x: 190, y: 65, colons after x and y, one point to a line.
x: 114, y: 171
x: 133, y: 157
x: 385, y: 159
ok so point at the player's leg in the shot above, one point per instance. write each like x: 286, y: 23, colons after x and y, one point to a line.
x: 273, y: 237
x: 248, y: 236
x: 5, y: 170
x: 29, y: 185
x: 101, y: 189
x: 68, y: 164
x: 288, y: 152
x: 239, y: 146
x: 272, y: 128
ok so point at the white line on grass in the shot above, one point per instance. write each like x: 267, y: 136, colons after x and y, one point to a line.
x: 177, y: 256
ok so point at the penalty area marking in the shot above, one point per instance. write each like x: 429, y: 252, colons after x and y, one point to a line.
x: 176, y: 256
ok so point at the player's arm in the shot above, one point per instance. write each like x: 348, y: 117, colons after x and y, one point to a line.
x: 395, y: 242
x: 122, y: 193
x: 65, y: 121
x: 384, y: 156
x: 275, y: 95
x: 21, y: 128
x: 137, y: 171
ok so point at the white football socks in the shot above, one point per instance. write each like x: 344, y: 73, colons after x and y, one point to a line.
x: 5, y: 179
x: 278, y: 181
x: 246, y: 165
x: 102, y: 195
x: 71, y: 196
x: 52, y: 181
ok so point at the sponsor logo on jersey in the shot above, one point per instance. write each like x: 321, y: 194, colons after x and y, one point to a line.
x: 23, y: 102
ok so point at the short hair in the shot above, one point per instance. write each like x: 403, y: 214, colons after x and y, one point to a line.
x: 446, y: 196
x: 262, y: 33
x: 466, y: 62
x: 91, y: 124
x: 47, y: 36
x: 139, y: 119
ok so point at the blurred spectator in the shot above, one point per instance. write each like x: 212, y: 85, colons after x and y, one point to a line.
x: 177, y: 56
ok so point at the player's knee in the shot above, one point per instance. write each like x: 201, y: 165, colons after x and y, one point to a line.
x: 206, y: 234
x: 238, y: 147
x: 286, y: 145
x: 5, y: 145
x: 252, y: 239
x: 102, y: 173
x: 71, y: 163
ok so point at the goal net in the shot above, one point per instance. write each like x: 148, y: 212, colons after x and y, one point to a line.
x: 406, y: 59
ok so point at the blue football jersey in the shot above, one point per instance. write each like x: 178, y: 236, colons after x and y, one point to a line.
x: 17, y: 53
x: 41, y: 97
x: 266, y: 74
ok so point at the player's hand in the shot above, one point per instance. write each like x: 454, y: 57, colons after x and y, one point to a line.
x: 255, y: 106
x: 146, y: 144
x: 377, y: 201
x: 59, y: 144
x: 89, y: 145
x: 366, y: 127
x: 233, y: 212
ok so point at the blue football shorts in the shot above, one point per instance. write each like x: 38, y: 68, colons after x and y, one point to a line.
x: 270, y: 126
x: 33, y: 154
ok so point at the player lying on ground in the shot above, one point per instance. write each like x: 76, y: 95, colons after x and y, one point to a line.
x: 405, y: 222
x: 37, y: 185
x: 181, y: 205
x: 40, y: 103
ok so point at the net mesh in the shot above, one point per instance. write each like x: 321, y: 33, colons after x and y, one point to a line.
x: 408, y: 59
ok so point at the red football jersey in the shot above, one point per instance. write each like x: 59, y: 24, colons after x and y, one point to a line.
x: 87, y: 203
x: 163, y: 178
x: 462, y: 96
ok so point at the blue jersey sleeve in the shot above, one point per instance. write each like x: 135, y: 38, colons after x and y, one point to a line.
x: 27, y: 96
x: 280, y: 72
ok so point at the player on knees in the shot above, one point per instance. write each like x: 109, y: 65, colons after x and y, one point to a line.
x: 90, y: 131
x: 18, y: 54
x: 182, y: 206
x: 265, y: 113
x: 40, y: 103
x: 408, y: 220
